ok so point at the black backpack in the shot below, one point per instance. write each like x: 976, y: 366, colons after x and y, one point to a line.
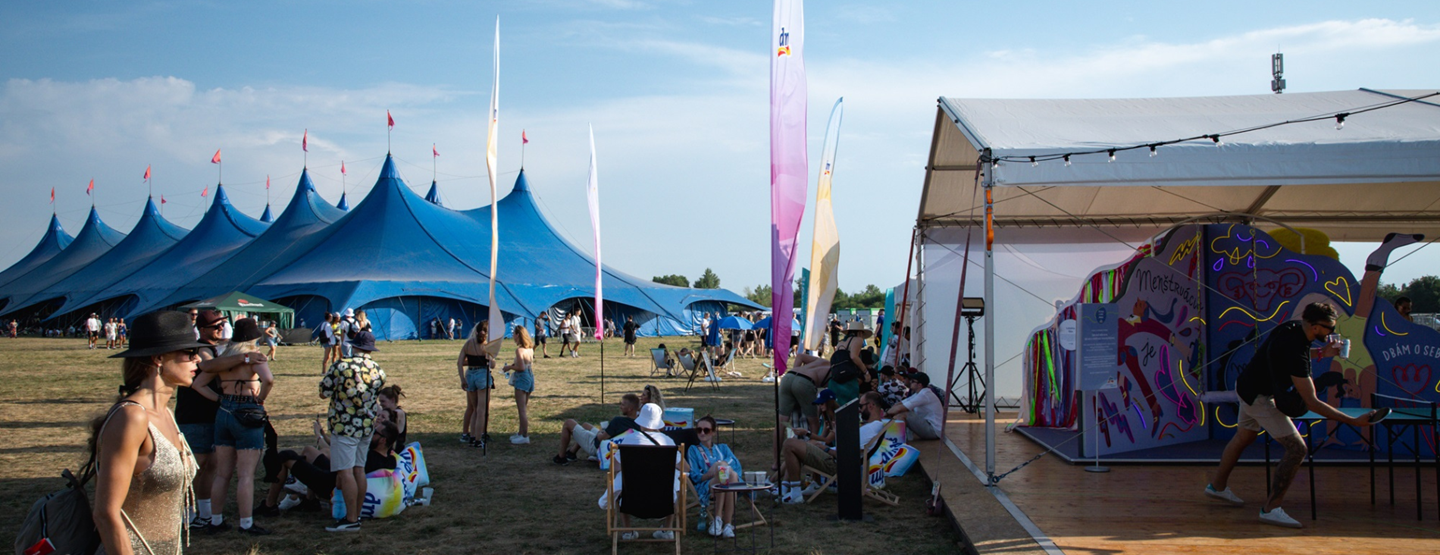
x: 60, y: 522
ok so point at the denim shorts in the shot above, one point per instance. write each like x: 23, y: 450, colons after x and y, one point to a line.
x: 229, y: 432
x: 201, y: 437
x: 523, y: 381
x: 478, y: 379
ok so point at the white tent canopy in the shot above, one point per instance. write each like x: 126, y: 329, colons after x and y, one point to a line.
x: 1380, y: 173
x: 1056, y: 221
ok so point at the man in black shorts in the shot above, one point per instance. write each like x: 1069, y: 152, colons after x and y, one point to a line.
x: 630, y: 329
x: 1281, y: 362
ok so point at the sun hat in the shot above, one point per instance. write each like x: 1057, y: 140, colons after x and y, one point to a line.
x: 649, y: 417
x: 245, y: 330
x: 207, y: 318
x: 856, y: 325
x: 160, y: 332
x: 364, y: 341
x: 349, y: 312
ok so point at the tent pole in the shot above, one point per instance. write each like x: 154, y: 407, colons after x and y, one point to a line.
x: 989, y: 322
x: 602, y: 372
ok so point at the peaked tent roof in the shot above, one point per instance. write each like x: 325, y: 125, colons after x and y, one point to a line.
x: 1380, y: 173
x: 220, y: 233
x: 54, y: 241
x: 543, y: 268
x: 266, y: 217
x: 343, y: 205
x: 150, y: 237
x: 392, y: 244
x: 94, y: 239
x: 299, y: 227
x: 434, y: 195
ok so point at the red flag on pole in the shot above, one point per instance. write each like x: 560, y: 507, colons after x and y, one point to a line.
x: 52, y: 195
x: 90, y: 187
x: 267, y: 183
x: 206, y: 191
x: 389, y: 120
x: 216, y: 158
x: 162, y: 199
x: 342, y: 167
x: 305, y: 141
x: 147, y: 173
x: 433, y: 151
x: 523, y: 140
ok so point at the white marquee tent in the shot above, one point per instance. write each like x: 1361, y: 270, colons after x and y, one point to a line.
x: 1263, y: 159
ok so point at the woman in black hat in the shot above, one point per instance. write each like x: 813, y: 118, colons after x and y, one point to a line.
x: 239, y: 428
x: 143, y: 466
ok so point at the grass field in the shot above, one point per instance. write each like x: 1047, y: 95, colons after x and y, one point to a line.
x: 513, y: 500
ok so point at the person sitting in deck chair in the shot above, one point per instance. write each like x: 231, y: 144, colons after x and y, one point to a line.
x: 797, y: 452
x: 649, y: 422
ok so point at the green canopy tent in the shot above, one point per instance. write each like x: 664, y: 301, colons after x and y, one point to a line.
x: 236, y: 304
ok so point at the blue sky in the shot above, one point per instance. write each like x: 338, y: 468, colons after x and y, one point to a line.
x: 677, y: 93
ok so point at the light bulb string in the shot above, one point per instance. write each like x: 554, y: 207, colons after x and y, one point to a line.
x: 1339, y: 117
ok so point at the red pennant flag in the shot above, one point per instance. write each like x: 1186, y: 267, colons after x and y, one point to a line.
x: 305, y: 141
x: 162, y: 199
x: 147, y: 173
x: 267, y: 183
x: 206, y: 191
x: 52, y: 195
x: 91, y: 187
x: 216, y: 158
x: 389, y: 120
x: 523, y: 140
x: 433, y: 151
x: 342, y: 167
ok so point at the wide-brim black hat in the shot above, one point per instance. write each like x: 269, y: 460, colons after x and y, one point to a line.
x: 246, y: 329
x: 364, y: 341
x: 160, y: 332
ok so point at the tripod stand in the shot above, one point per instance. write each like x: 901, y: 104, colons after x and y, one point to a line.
x: 971, y: 374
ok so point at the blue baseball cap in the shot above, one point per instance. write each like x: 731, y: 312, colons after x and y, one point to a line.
x: 825, y: 396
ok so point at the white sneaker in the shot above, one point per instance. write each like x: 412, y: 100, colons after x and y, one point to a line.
x: 1226, y: 496
x: 815, y: 486
x: 518, y: 439
x: 289, y: 502
x: 297, y: 488
x: 729, y: 531
x: 716, y: 526
x: 630, y: 536
x: 663, y: 535
x: 1278, y: 518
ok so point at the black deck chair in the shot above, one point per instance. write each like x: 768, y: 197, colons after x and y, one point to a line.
x: 649, y: 493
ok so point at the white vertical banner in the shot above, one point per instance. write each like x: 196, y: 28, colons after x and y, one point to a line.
x: 497, y: 322
x: 825, y: 244
x: 592, y: 194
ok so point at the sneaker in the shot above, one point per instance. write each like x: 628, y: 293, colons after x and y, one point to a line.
x: 212, y: 529
x: 485, y: 437
x: 729, y: 531
x: 792, y: 497
x: 716, y: 526
x: 477, y: 443
x: 297, y: 488
x: 630, y: 536
x: 663, y: 535
x: 562, y: 461
x: 1226, y: 496
x: 264, y: 509
x: 196, y: 523
x: 571, y: 456
x: 518, y: 439
x: 290, y: 502
x: 814, y: 488
x: 1278, y: 518
x: 255, y: 530
x: 344, y: 526
x: 465, y: 438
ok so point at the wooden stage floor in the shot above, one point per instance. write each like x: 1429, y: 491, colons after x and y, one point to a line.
x: 1162, y: 509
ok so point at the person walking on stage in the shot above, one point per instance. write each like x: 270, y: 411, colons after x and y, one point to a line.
x: 1280, y: 372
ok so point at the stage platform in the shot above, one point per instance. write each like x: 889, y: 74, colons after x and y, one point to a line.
x: 1160, y: 508
x: 1065, y: 444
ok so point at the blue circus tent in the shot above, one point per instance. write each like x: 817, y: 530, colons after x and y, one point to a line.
x: 398, y: 257
x: 221, y: 233
x: 434, y: 195
x: 54, y: 241
x: 150, y: 237
x: 94, y: 239
x: 342, y: 204
x: 545, y: 270
x: 266, y: 217
x: 300, y: 226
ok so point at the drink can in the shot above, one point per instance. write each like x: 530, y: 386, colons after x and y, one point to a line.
x: 1345, y: 349
x: 724, y: 474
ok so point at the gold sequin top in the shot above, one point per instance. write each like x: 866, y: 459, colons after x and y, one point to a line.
x: 155, y: 504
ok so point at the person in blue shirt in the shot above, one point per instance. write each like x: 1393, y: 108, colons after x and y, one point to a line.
x: 706, y: 461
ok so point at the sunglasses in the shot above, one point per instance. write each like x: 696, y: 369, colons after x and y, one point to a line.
x: 1330, y: 328
x: 704, y: 430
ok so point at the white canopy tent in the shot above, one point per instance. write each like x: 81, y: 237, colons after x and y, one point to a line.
x: 1277, y: 158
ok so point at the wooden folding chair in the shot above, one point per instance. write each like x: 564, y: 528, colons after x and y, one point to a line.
x: 660, y: 360
x: 648, y: 492
x: 707, y: 367
x: 825, y: 479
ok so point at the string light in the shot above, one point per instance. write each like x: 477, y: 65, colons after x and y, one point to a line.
x: 1033, y: 163
x: 1153, y: 152
x: 1216, y: 140
x: 1112, y: 155
x: 1067, y: 160
x: 1339, y: 123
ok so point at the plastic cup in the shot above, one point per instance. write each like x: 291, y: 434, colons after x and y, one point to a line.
x: 1345, y: 349
x: 428, y: 493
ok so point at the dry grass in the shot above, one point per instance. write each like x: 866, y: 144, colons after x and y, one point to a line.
x: 511, y: 501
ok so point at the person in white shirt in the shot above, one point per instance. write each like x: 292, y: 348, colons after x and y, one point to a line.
x: 92, y: 328
x: 576, y: 328
x: 649, y: 420
x: 922, y: 410
x: 798, y: 452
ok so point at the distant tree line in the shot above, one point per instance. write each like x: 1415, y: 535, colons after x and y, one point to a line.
x: 1424, y: 293
x: 708, y: 280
